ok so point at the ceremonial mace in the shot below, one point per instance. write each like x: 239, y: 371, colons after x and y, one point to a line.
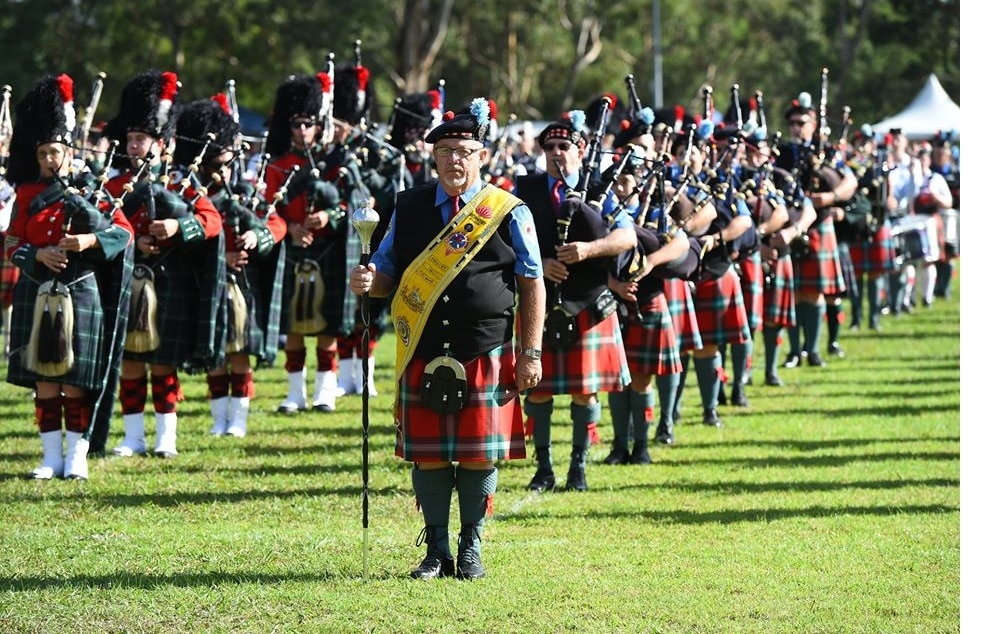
x: 364, y: 219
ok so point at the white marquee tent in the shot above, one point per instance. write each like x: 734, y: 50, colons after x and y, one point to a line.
x: 930, y: 112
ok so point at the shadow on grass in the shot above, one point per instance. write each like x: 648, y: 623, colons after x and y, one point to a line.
x: 126, y: 580
x: 821, y: 445
x: 733, y: 516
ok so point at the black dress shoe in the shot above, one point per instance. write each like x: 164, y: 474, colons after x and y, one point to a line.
x: 793, y: 360
x: 434, y: 566
x: 576, y: 478
x: 711, y: 418
x: 664, y: 434
x: 774, y: 380
x: 815, y: 360
x: 722, y: 394
x: 640, y: 455
x: 618, y: 455
x: 835, y: 350
x: 468, y: 564
x: 543, y: 480
x: 739, y: 396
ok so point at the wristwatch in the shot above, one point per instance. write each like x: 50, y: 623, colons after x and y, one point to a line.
x: 532, y: 353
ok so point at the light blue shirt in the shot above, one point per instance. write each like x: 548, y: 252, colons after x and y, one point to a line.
x: 524, y: 239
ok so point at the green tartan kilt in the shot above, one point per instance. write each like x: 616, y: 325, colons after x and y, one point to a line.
x: 176, y: 289
x: 330, y: 256
x: 263, y: 295
x: 89, y: 367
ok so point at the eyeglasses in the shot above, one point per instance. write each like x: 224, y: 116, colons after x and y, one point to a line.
x: 301, y: 123
x: 457, y: 153
x: 563, y: 146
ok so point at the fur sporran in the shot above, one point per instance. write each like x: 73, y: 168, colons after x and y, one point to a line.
x: 49, y: 349
x: 308, y: 296
x: 143, y: 335
x: 238, y: 314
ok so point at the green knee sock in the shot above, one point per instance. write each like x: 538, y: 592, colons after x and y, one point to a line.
x: 476, y: 490
x: 642, y: 410
x: 434, y: 492
x: 770, y: 336
x: 667, y: 394
x: 620, y: 414
x: 540, y: 415
x: 707, y: 372
x: 582, y: 415
x: 740, y: 361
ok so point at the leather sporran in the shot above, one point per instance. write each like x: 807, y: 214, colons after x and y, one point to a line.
x: 142, y: 335
x: 444, y: 385
x: 238, y: 316
x: 49, y: 349
x: 561, y: 329
x: 308, y: 296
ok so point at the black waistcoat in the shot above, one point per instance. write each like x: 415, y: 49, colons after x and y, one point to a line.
x: 475, y: 313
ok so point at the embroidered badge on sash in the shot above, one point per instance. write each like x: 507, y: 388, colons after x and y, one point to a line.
x: 457, y: 242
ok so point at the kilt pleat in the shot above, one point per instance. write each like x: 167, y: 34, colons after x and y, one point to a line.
x: 876, y: 255
x: 779, y: 307
x: 89, y: 367
x: 595, y: 363
x: 751, y: 283
x: 650, y: 342
x: 720, y: 310
x: 682, y: 310
x: 819, y: 270
x: 489, y: 427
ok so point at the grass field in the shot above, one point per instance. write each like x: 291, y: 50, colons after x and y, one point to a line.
x: 831, y: 504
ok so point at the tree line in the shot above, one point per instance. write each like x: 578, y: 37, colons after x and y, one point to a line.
x: 536, y: 58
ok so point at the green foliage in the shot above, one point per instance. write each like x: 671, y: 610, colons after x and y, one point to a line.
x: 830, y: 505
x: 521, y: 53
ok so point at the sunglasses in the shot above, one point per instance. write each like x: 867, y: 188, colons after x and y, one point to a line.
x: 563, y: 146
x: 302, y: 123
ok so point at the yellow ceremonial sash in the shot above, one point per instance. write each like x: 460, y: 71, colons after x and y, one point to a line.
x: 432, y: 271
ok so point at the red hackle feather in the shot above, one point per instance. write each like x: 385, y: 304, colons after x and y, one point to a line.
x: 679, y: 113
x: 222, y: 100
x: 169, y: 88
x: 434, y: 100
x: 363, y: 76
x: 65, y: 88
x: 325, y: 83
x: 492, y: 105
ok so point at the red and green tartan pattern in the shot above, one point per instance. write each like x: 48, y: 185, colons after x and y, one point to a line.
x: 751, y: 283
x: 720, y: 310
x: 682, y: 309
x: 489, y: 427
x: 595, y: 363
x: 650, y: 342
x: 875, y: 256
x: 819, y: 270
x: 779, y: 307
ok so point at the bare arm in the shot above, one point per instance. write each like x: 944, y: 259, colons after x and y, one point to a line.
x: 531, y: 309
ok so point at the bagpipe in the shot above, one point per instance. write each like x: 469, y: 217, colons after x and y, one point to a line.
x: 49, y: 350
x: 6, y: 127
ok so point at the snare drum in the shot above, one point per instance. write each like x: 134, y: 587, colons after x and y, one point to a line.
x: 914, y: 240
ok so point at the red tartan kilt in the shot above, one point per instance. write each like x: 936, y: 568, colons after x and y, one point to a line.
x: 489, y: 427
x: 595, y: 363
x: 875, y: 256
x: 682, y: 309
x: 819, y: 271
x: 751, y: 282
x: 650, y: 343
x: 778, y: 299
x: 9, y: 274
x: 720, y: 310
